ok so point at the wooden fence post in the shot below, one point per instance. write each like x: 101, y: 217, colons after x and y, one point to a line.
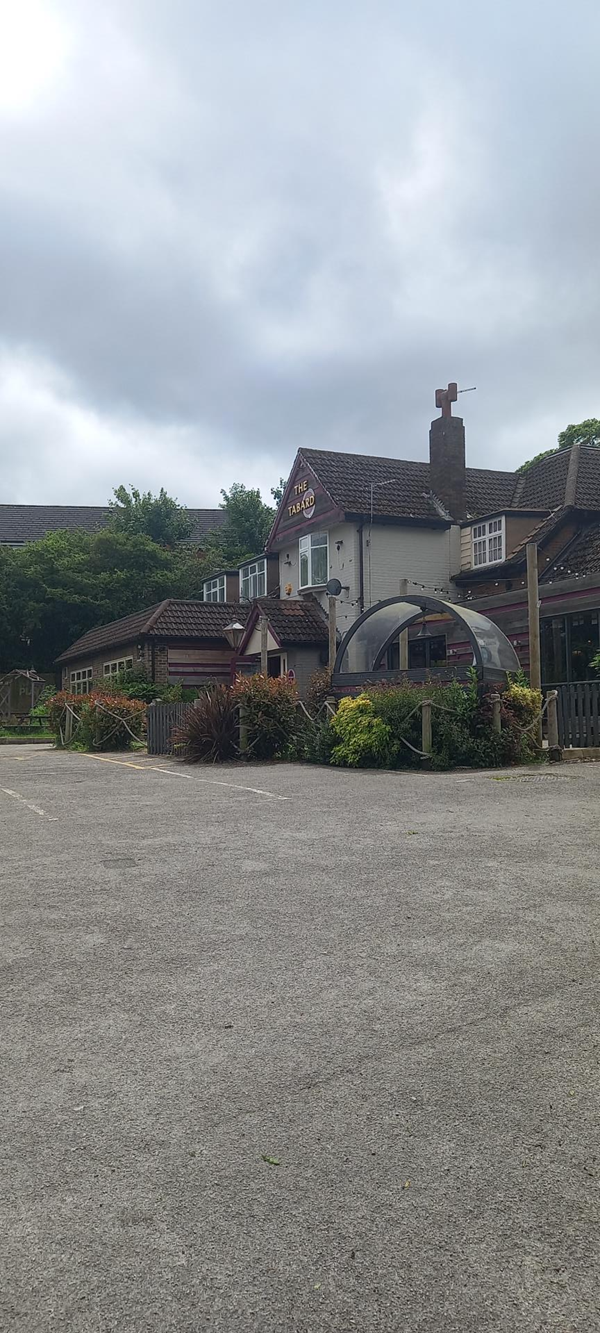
x: 68, y: 725
x: 554, y: 750
x: 426, y: 734
x: 243, y: 725
x: 496, y: 713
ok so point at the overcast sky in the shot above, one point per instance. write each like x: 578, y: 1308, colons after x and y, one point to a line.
x: 229, y: 228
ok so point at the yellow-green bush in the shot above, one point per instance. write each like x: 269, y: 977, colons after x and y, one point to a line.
x: 362, y: 738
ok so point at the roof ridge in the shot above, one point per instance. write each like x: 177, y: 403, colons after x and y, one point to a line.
x: 151, y: 622
x: 572, y: 474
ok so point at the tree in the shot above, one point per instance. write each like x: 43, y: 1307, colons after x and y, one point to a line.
x: 277, y: 491
x: 156, y: 516
x: 585, y: 432
x: 530, y: 462
x: 248, y: 522
x: 54, y: 590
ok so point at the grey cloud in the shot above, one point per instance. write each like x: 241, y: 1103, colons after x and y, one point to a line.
x: 243, y: 228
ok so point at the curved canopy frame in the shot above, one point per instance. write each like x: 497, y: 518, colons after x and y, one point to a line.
x: 370, y: 636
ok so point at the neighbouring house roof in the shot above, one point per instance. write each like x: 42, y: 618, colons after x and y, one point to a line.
x: 28, y: 523
x: 203, y: 521
x: 294, y: 621
x: 171, y: 619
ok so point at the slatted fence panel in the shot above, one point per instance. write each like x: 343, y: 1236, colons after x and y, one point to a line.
x: 162, y: 719
x: 578, y: 713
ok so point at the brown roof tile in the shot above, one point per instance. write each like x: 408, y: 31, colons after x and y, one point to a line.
x: 170, y: 619
x: 580, y: 557
x: 543, y: 485
x: 296, y: 620
x: 401, y: 487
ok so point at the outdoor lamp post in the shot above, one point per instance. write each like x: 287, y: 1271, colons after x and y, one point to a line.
x: 234, y: 634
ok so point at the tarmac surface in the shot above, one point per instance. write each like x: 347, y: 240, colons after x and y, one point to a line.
x: 296, y: 1050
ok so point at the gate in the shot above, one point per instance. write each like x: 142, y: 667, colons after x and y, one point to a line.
x: 578, y: 713
x: 161, y: 721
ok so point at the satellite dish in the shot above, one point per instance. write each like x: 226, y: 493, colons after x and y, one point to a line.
x: 333, y: 588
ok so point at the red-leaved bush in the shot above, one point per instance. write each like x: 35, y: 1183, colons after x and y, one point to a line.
x: 102, y: 721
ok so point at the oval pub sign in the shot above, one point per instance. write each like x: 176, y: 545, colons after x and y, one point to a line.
x: 303, y: 501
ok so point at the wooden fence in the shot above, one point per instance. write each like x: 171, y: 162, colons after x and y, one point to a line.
x: 162, y: 719
x: 578, y: 713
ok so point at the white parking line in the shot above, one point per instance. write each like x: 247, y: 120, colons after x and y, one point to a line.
x: 214, y: 782
x: 37, y: 809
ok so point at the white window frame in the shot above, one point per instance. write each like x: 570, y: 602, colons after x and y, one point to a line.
x: 253, y: 580
x: 488, y: 542
x: 214, y: 589
x: 306, y: 545
x: 81, y: 680
x: 121, y: 664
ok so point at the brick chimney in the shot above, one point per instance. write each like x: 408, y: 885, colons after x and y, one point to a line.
x: 447, y: 456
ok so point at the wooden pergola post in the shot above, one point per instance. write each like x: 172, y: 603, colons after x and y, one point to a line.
x: 533, y: 609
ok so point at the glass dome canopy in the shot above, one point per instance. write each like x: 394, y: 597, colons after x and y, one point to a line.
x: 368, y: 639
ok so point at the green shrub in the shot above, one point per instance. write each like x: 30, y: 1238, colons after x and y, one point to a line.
x: 382, y: 728
x: 363, y: 739
x: 270, y: 713
x: 209, y: 732
x: 135, y: 683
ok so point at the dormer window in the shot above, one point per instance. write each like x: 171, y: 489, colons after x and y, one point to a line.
x: 253, y: 580
x: 214, y: 589
x: 488, y: 542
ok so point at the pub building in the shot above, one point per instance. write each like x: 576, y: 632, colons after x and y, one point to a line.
x: 381, y: 526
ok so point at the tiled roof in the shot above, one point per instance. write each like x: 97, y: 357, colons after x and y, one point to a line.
x: 401, y: 487
x: 488, y: 491
x: 581, y: 556
x: 587, y: 495
x: 407, y: 493
x: 201, y: 620
x: 28, y: 523
x: 203, y: 521
x: 298, y: 620
x: 170, y: 619
x: 543, y: 485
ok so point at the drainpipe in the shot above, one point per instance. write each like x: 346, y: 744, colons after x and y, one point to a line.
x: 361, y: 569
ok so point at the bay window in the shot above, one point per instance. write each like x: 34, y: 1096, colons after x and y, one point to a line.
x: 314, y: 560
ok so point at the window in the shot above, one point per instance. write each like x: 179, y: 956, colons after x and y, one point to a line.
x: 253, y: 580
x: 81, y: 681
x: 214, y: 589
x: 424, y: 654
x: 123, y: 664
x: 427, y: 653
x: 488, y: 542
x: 568, y: 645
x: 314, y: 560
